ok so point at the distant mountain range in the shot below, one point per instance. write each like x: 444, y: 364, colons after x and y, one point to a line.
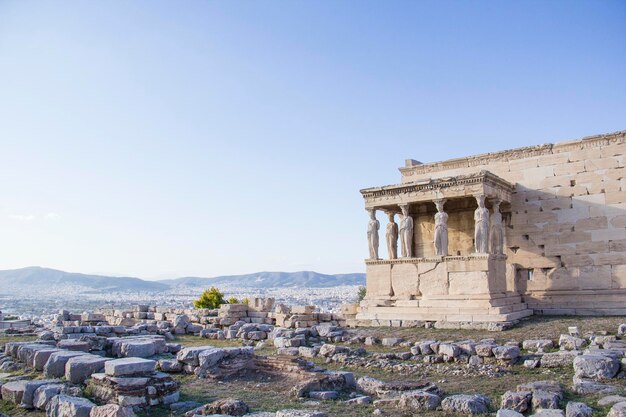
x: 34, y: 280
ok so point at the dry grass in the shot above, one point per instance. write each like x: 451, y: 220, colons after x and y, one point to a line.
x: 535, y: 327
x: 270, y: 392
x: 15, y: 338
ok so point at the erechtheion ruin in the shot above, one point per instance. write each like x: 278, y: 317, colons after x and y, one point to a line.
x: 500, y: 236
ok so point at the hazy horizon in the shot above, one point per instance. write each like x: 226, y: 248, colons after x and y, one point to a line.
x: 169, y: 277
x: 155, y: 139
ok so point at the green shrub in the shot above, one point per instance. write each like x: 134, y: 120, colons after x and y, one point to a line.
x: 211, y: 298
x: 233, y: 300
x: 361, y: 294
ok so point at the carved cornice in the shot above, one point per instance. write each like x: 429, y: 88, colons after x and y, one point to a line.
x: 518, y: 153
x: 435, y: 259
x: 439, y: 184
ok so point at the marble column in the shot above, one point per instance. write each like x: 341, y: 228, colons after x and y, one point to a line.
x: 406, y: 232
x: 441, y: 229
x: 372, y: 234
x: 496, y: 230
x: 481, y: 226
x: 392, y: 236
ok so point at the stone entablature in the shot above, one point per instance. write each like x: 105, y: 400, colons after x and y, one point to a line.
x: 414, y: 168
x: 434, y: 259
x: 483, y: 182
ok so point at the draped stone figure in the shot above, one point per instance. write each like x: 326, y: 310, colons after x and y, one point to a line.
x: 441, y: 229
x: 406, y: 232
x: 481, y: 222
x: 372, y: 234
x: 496, y: 230
x: 392, y: 236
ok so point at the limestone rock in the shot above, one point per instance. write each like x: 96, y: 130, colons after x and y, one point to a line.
x: 586, y: 387
x: 419, y: 400
x: 361, y: 400
x: 323, y: 395
x: 209, y: 358
x: 13, y: 391
x: 66, y: 406
x: 449, y: 350
x: 79, y: 368
x: 129, y: 366
x: 618, y: 410
x: 138, y: 349
x: 300, y: 413
x: 516, y: 400
x: 596, y: 367
x: 506, y: 353
x: 29, y: 392
x: 567, y: 342
x: 558, y: 359
x: 41, y: 357
x: 369, y: 385
x: 548, y: 413
x: 307, y: 352
x: 610, y: 400
x: 466, y: 404
x: 170, y: 365
x: 505, y: 412
x: 391, y: 341
x: 44, y: 394
x: 190, y: 355
x: 329, y: 350
x: 55, y: 365
x: 537, y: 345
x: 74, y: 345
x: 545, y: 399
x: 111, y: 410
x: 574, y: 409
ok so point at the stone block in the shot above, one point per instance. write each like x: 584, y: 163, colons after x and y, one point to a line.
x: 576, y: 409
x: 305, y: 310
x: 597, y: 367
x: 111, y: 410
x: 79, y: 368
x: 74, y: 345
x: 209, y: 358
x: 466, y: 404
x: 138, y: 348
x: 13, y: 391
x: 55, y: 366
x: 190, y: 355
x: 516, y: 400
x: 66, y: 406
x: 30, y: 389
x: 129, y: 367
x: 44, y: 393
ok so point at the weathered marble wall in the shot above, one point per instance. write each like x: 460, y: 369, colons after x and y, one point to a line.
x: 567, y: 231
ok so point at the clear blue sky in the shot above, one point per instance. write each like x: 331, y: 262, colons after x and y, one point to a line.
x: 162, y: 138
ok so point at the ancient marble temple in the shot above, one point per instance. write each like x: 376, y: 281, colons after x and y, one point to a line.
x: 500, y: 236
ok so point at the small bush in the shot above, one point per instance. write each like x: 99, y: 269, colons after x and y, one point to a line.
x: 211, y: 298
x: 361, y: 294
x: 233, y: 300
x: 245, y: 301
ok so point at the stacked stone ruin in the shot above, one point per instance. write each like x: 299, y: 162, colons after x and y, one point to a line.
x: 131, y: 382
x: 226, y: 322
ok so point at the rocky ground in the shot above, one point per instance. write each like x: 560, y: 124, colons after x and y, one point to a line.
x: 397, y: 372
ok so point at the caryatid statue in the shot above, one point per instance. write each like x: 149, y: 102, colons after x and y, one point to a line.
x: 392, y: 236
x: 441, y: 229
x: 481, y: 224
x: 496, y: 230
x: 406, y: 232
x: 372, y: 234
